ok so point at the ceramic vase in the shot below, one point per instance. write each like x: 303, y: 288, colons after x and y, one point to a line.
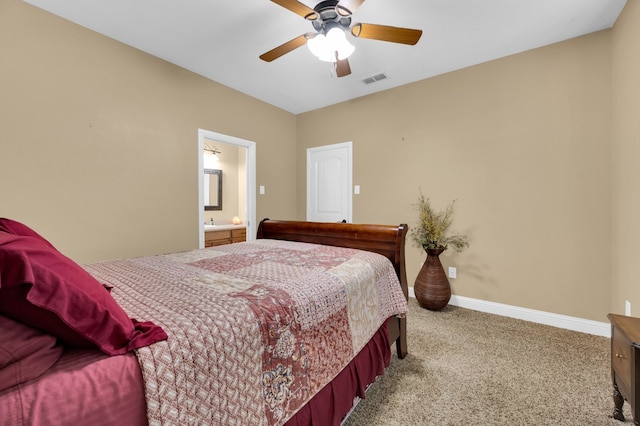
x: 432, y: 287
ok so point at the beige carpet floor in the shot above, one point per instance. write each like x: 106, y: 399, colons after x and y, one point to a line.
x: 471, y: 368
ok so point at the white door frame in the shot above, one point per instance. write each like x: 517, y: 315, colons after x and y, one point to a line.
x: 349, y: 146
x: 251, y: 179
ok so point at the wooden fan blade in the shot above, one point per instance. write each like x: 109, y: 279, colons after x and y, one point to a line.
x: 343, y: 68
x: 349, y: 5
x: 284, y: 48
x: 298, y: 8
x: 386, y: 33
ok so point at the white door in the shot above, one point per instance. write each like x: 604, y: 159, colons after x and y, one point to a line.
x: 329, y: 183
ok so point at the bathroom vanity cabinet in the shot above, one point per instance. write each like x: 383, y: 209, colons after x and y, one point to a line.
x: 224, y: 235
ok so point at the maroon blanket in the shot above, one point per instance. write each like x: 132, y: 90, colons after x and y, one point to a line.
x: 255, y: 329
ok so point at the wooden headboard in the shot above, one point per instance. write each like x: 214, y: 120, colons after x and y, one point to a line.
x: 386, y: 240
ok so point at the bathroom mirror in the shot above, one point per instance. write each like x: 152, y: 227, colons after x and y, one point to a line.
x: 212, y: 189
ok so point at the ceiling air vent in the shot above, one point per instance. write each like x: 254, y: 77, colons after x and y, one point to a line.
x: 375, y: 78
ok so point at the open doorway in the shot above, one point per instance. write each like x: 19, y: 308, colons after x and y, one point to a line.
x: 248, y: 181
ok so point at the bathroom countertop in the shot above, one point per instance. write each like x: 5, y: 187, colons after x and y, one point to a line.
x: 223, y: 227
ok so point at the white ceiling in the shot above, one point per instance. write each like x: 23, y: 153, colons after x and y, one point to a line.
x: 222, y: 40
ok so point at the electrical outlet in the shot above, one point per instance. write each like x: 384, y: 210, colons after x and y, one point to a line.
x: 627, y: 308
x: 453, y: 272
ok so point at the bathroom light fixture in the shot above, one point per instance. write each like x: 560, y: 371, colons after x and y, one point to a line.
x: 211, y: 156
x: 212, y: 150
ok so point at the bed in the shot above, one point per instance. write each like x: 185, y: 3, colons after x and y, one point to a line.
x: 287, y: 329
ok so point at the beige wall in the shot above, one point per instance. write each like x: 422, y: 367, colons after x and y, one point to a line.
x: 523, y: 144
x: 626, y: 160
x: 98, y: 141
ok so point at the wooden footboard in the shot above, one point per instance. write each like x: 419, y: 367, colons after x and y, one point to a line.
x: 386, y: 240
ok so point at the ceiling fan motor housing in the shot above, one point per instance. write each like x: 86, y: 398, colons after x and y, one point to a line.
x: 328, y: 17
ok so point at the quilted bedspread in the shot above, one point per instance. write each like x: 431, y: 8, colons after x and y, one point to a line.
x: 255, y: 328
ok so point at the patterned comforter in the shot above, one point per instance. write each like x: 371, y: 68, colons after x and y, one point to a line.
x: 255, y: 329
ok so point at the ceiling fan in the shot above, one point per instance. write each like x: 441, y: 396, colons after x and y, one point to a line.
x: 331, y: 19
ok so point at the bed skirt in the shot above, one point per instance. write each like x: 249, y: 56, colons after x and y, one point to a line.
x: 335, y: 400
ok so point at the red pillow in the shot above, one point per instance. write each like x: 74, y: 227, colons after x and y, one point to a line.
x: 16, y: 228
x: 41, y: 287
x: 25, y: 353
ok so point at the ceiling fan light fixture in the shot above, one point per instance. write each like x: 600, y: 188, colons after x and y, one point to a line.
x: 325, y: 47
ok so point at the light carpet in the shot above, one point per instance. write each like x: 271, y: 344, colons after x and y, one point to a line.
x: 469, y: 367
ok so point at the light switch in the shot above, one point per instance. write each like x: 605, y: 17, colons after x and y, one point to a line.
x: 356, y: 189
x: 453, y: 272
x: 261, y: 189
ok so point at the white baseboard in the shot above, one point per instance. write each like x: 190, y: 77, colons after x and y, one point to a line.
x: 556, y: 320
